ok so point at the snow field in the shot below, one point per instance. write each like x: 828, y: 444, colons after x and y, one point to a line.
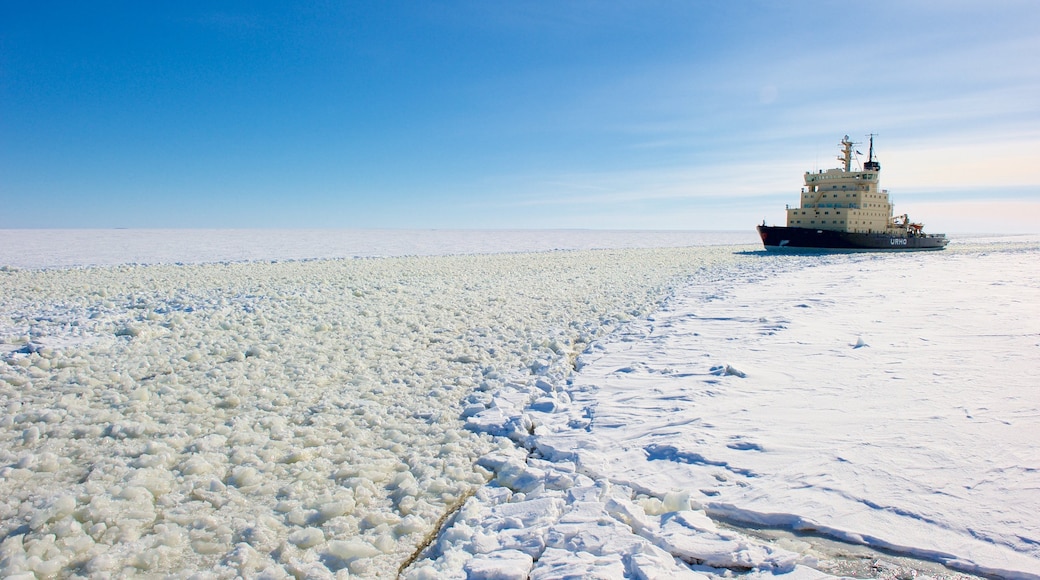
x: 85, y: 247
x: 888, y: 400
x: 287, y: 418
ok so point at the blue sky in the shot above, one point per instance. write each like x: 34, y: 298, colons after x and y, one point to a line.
x: 486, y: 114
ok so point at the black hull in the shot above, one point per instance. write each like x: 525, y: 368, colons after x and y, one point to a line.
x: 781, y: 238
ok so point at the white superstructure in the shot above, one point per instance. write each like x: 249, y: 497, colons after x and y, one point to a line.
x: 844, y: 200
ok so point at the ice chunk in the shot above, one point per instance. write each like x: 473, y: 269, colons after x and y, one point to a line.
x: 503, y: 564
x: 245, y: 476
x: 544, y: 405
x: 676, y: 501
x: 335, y: 509
x: 348, y: 550
x: 307, y: 537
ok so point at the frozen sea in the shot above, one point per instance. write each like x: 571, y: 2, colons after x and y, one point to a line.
x: 515, y: 404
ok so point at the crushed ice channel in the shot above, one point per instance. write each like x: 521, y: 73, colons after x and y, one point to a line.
x: 699, y: 412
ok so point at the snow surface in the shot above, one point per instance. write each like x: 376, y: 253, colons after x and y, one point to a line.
x: 607, y: 413
x: 65, y: 248
x: 892, y: 401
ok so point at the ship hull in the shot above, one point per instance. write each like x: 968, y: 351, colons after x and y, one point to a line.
x: 778, y: 238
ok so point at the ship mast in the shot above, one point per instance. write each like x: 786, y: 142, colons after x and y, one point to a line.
x: 846, y: 153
